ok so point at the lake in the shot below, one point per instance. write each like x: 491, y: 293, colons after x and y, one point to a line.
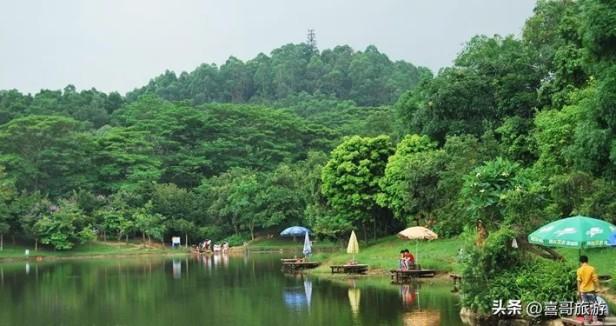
x: 214, y: 290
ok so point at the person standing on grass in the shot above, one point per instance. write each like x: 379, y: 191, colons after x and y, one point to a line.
x: 588, y: 283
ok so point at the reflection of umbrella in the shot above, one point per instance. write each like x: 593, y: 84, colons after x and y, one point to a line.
x: 574, y: 232
x: 294, y: 231
x: 294, y: 298
x: 307, y: 247
x: 354, y: 297
x: 417, y: 233
x: 308, y: 290
x: 353, y: 246
x: 612, y: 239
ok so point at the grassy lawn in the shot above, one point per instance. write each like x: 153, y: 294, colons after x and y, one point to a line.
x: 286, y: 243
x: 95, y: 248
x: 441, y: 255
x: 383, y: 254
x: 603, y: 259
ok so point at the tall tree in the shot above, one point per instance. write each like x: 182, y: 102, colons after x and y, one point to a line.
x: 351, y: 179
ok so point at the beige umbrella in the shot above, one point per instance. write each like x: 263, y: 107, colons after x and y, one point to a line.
x: 417, y: 233
x: 353, y: 246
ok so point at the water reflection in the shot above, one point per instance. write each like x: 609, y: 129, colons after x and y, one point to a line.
x: 424, y: 318
x: 408, y: 293
x: 177, y: 269
x: 308, y: 290
x: 299, y: 295
x: 354, y: 295
x: 249, y: 291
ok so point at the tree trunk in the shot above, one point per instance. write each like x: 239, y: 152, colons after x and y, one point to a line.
x: 105, y: 236
x: 186, y: 240
x: 1, y: 242
x: 143, y: 237
x: 374, y: 228
x: 363, y: 226
x: 542, y: 251
x: 36, y: 244
x: 252, y: 231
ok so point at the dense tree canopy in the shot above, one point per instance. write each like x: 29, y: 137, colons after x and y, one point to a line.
x: 367, y: 77
x: 517, y: 132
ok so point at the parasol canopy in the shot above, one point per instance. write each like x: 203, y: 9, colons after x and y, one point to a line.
x: 294, y: 231
x: 574, y: 232
x: 417, y: 233
x: 612, y: 240
x: 353, y: 246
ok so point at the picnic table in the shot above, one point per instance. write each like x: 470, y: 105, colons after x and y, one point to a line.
x: 349, y: 268
x: 399, y: 276
x: 294, y: 266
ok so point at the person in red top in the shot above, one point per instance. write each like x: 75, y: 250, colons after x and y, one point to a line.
x: 410, y: 259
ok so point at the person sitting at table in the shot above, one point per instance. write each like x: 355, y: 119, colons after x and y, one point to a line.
x: 403, y: 265
x: 409, y: 259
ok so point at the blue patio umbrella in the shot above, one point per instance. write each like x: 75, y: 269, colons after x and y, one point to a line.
x: 612, y: 240
x: 294, y: 231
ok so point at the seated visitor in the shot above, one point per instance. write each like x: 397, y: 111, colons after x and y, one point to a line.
x: 409, y: 259
x: 403, y: 265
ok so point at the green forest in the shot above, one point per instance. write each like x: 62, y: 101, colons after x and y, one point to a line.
x: 517, y: 132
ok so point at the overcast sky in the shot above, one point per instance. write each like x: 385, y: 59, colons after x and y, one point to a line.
x: 121, y: 44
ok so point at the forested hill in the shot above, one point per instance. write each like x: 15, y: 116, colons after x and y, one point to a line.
x: 368, y: 78
x: 516, y: 132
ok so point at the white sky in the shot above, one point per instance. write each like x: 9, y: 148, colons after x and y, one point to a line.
x: 122, y: 44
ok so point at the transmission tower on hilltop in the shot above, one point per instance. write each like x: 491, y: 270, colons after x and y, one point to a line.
x: 311, y: 39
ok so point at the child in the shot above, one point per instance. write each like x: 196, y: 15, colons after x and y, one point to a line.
x: 403, y: 265
x: 409, y: 258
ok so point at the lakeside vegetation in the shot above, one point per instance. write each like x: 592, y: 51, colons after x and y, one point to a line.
x: 383, y: 254
x: 518, y: 132
x: 88, y: 250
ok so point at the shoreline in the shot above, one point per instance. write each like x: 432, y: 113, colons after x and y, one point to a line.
x: 42, y: 258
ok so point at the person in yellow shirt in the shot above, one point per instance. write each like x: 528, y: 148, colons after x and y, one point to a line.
x: 587, y: 282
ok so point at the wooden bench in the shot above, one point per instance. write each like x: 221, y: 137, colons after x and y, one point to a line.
x: 289, y: 260
x: 349, y: 269
x: 400, y: 276
x: 298, y: 266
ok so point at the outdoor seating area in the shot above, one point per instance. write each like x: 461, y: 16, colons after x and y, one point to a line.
x: 297, y: 266
x: 400, y: 276
x: 293, y: 265
x: 349, y: 269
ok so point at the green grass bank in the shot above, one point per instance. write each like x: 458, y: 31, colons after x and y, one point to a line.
x: 91, y: 249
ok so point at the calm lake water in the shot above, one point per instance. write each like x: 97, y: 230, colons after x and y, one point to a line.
x: 217, y: 290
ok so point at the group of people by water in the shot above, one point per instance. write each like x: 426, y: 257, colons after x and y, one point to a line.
x: 206, y: 245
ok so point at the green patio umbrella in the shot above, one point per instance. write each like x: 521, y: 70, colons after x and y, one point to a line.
x: 574, y: 232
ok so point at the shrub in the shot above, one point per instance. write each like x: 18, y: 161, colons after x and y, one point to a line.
x: 235, y: 240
